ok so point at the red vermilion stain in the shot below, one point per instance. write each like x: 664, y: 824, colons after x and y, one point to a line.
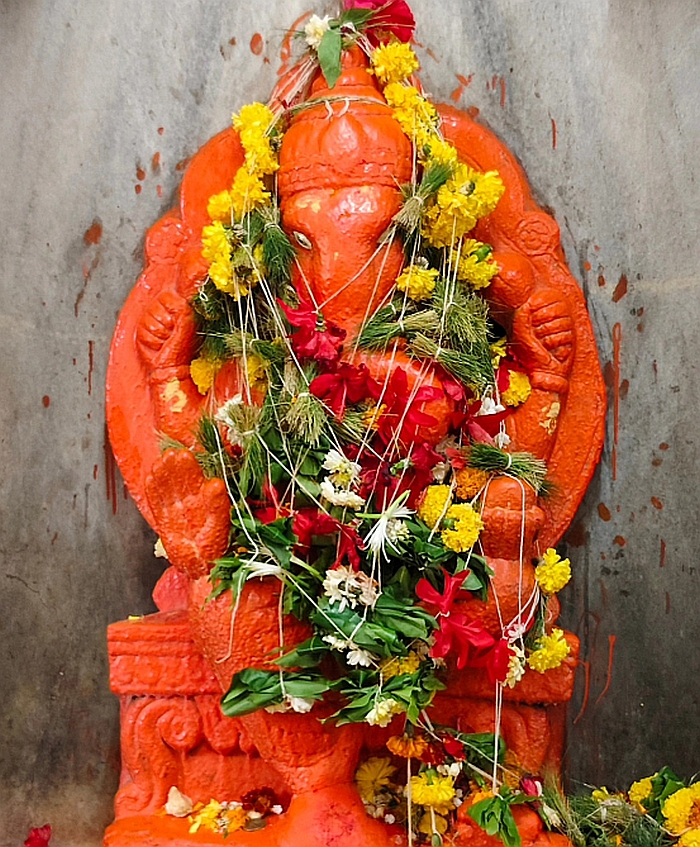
x: 662, y: 554
x: 93, y: 234
x: 601, y: 281
x: 91, y: 364
x: 182, y: 164
x: 457, y: 93
x: 473, y: 112
x: 110, y: 473
x: 140, y: 173
x: 95, y: 471
x: 619, y: 540
x: 586, y: 689
x: 640, y: 327
x: 577, y: 535
x: 465, y: 80
x: 656, y: 503
x: 286, y: 48
x: 502, y: 83
x: 663, y: 446
x: 161, y: 130
x: 137, y: 189
x: 432, y: 55
x: 232, y: 42
x: 586, y: 266
x: 46, y: 401
x: 620, y: 289
x: 596, y: 248
x: 624, y: 388
x: 611, y: 651
x: 604, y: 512
x: 125, y: 492
x: 657, y: 462
x: 155, y: 162
x: 617, y: 341
x: 554, y: 134
x: 257, y: 44
x: 159, y: 190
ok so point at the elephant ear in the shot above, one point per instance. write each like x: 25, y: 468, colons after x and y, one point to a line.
x: 173, y: 262
x: 519, y: 225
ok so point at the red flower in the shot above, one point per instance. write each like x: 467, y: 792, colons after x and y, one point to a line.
x: 315, y: 339
x: 532, y: 786
x: 453, y: 747
x: 496, y: 661
x: 393, y: 17
x: 39, y: 836
x: 443, y: 602
x: 347, y: 384
x: 310, y: 522
x: 403, y: 408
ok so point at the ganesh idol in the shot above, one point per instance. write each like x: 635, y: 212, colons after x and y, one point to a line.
x: 333, y: 392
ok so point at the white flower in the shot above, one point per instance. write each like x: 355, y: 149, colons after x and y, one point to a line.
x: 369, y: 589
x: 551, y: 816
x: 452, y: 770
x: 159, y: 550
x: 277, y: 809
x: 223, y: 413
x: 300, y: 704
x: 356, y: 656
x: 440, y: 471
x: 389, y: 527
x: 341, y: 586
x: 343, y: 472
x: 335, y: 642
x: 383, y: 712
x: 490, y: 407
x: 390, y: 818
x: 502, y: 439
x: 340, y: 498
x: 178, y: 804
x: 315, y: 29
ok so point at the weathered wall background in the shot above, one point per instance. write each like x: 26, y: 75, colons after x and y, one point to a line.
x: 102, y: 102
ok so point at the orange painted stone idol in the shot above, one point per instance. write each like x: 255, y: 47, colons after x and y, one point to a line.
x: 356, y: 393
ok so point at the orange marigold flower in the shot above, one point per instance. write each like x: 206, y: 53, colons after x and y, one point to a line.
x: 469, y: 482
x: 407, y: 746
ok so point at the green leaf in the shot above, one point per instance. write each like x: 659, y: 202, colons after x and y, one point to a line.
x: 357, y: 17
x: 329, y: 55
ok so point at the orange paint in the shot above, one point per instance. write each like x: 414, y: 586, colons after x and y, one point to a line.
x: 155, y: 162
x: 624, y: 388
x: 140, y: 173
x: 110, y: 473
x: 95, y: 471
x: 465, y: 80
x: 432, y: 55
x: 91, y: 364
x: 46, y: 401
x: 502, y: 83
x: 587, y: 266
x: 611, y: 652
x: 663, y: 446
x: 457, y: 93
x: 656, y: 503
x: 159, y: 190
x: 656, y: 463
x: 161, y: 130
x: 586, y: 689
x: 554, y: 134
x: 257, y: 44
x: 137, y: 189
x: 617, y: 341
x: 603, y: 512
x: 601, y: 281
x: 286, y: 48
x: 93, y: 234
x: 662, y: 555
x: 473, y: 112
x: 182, y: 164
x: 620, y: 289
x: 619, y: 540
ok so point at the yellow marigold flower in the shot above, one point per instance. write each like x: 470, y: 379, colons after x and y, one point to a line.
x: 463, y: 534
x: 641, y: 789
x: 417, y: 282
x: 553, y: 573
x: 203, y: 372
x: 498, y: 351
x: 407, y: 746
x: 488, y: 190
x: 441, y: 152
x: 469, y: 265
x: 417, y: 117
x: 371, y: 415
x: 247, y: 193
x: 469, y: 482
x: 400, y: 665
x: 690, y: 838
x: 425, y: 824
x: 215, y: 244
x: 220, y: 207
x: 253, y: 121
x: 260, y: 158
x: 518, y: 390
x: 682, y: 810
x: 372, y: 776
x: 256, y: 370
x: 600, y: 795
x: 434, y: 504
x: 551, y: 652
x: 394, y: 62
x: 430, y: 789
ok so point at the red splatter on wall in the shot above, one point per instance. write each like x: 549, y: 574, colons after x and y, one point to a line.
x: 257, y: 44
x: 620, y: 289
x: 93, y: 234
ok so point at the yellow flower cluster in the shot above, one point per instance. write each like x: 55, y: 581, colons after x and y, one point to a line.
x: 218, y: 818
x: 641, y: 789
x: 416, y: 116
x: 551, y: 652
x: 400, y: 665
x: 253, y: 124
x: 464, y: 532
x: 216, y: 249
x: 470, y: 267
x: 553, y: 572
x: 203, y: 371
x: 434, y: 505
x: 372, y: 776
x: 518, y: 390
x: 430, y: 789
x: 417, y: 282
x: 682, y: 813
x: 394, y: 62
x: 460, y: 202
x: 469, y: 482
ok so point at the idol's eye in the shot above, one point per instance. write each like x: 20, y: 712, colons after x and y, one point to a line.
x: 302, y: 240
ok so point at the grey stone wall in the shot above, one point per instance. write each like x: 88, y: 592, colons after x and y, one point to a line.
x: 102, y: 103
